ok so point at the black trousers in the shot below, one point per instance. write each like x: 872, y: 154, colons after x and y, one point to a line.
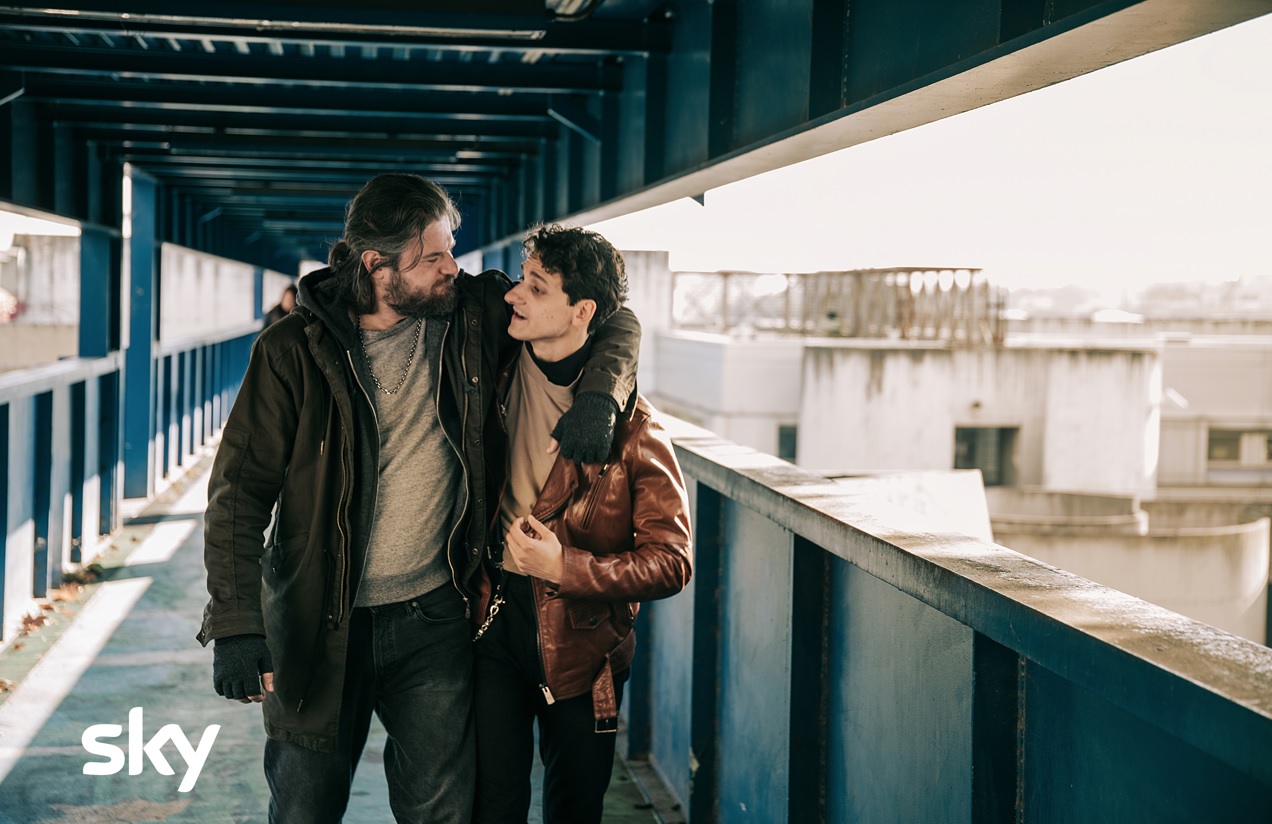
x: 411, y: 664
x: 577, y: 760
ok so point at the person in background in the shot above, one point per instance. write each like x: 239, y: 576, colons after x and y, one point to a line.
x: 577, y: 548
x: 286, y: 302
x: 365, y: 418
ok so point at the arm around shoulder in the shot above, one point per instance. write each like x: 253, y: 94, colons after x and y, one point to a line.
x: 611, y: 368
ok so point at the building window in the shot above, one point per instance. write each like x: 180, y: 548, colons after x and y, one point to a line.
x: 1237, y: 448
x: 1225, y: 445
x: 991, y: 449
x: 787, y: 442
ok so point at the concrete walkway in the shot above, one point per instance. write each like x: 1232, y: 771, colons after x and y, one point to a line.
x: 127, y: 642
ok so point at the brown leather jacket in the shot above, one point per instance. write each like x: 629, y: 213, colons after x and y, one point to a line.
x: 624, y: 527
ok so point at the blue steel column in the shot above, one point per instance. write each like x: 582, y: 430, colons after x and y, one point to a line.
x: 76, y: 480
x: 810, y: 654
x: 109, y: 448
x: 198, y: 394
x: 41, y: 488
x: 89, y: 517
x: 6, y: 475
x: 639, y: 690
x: 95, y: 281
x: 258, y: 292
x: 139, y: 368
x: 19, y: 184
x: 753, y: 755
x: 997, y: 673
x: 187, y: 385
x: 166, y: 418
x: 704, y: 735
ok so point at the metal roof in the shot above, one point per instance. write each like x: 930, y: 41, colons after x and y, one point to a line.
x: 258, y: 121
x: 271, y: 115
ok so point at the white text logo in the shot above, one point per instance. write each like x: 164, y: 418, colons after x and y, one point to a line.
x: 138, y: 752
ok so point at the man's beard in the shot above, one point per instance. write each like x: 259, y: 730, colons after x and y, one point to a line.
x: 414, y: 305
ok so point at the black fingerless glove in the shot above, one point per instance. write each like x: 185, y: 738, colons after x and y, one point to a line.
x: 238, y: 662
x: 586, y: 430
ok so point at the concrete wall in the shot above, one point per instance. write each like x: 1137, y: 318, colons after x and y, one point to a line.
x: 201, y: 294
x: 1204, y: 559
x: 1218, y: 575
x: 1147, y: 328
x: 742, y: 390
x: 1213, y: 383
x: 649, y: 287
x: 890, y: 406
x: 24, y: 344
x: 43, y: 272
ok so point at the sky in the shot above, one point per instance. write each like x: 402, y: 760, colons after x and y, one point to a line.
x: 1158, y: 169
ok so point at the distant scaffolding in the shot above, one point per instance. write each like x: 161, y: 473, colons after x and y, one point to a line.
x: 904, y: 303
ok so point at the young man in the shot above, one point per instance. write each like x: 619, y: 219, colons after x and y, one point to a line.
x: 578, y: 547
x: 364, y: 416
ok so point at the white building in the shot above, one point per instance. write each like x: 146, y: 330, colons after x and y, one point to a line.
x: 1061, y: 424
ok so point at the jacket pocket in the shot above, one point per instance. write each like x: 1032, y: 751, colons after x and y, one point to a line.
x: 281, y: 558
x: 588, y: 615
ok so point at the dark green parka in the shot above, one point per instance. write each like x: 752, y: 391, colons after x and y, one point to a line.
x: 302, y: 434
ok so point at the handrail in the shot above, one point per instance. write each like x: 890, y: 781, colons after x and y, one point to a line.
x: 1195, y: 682
x: 23, y: 383
x: 165, y: 348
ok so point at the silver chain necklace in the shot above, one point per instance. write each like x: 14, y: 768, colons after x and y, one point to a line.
x: 362, y: 342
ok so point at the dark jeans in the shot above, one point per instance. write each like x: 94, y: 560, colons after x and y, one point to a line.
x: 411, y: 664
x: 577, y: 760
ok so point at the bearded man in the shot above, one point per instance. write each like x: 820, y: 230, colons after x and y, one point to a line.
x: 364, y: 424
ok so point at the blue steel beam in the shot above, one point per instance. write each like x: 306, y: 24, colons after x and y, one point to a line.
x: 139, y: 367
x: 523, y: 18
x: 418, y: 74
x: 71, y: 90
x: 151, y: 127
x: 176, y: 118
x: 589, y: 37
x: 574, y: 117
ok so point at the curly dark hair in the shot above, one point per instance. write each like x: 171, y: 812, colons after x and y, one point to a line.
x: 589, y: 265
x: 388, y: 215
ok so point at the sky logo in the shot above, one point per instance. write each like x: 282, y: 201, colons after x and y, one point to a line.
x: 139, y: 750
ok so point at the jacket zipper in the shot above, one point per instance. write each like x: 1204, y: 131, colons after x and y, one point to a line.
x: 375, y: 498
x: 538, y: 635
x: 538, y: 643
x: 463, y: 430
x: 593, y: 498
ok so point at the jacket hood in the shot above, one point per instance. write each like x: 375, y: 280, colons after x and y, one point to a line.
x: 320, y: 293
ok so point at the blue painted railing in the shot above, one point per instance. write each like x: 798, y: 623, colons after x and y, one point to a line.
x: 196, y: 382
x: 833, y: 661
x: 61, y: 451
x: 59, y: 473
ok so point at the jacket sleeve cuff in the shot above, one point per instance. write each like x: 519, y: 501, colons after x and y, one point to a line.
x: 224, y: 627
